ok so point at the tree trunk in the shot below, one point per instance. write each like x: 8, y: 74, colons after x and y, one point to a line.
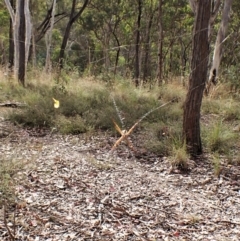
x: 118, y: 52
x: 73, y: 17
x: 28, y: 32
x: 15, y: 27
x: 160, y: 44
x: 218, y: 50
x: 48, y: 66
x: 197, y: 79
x: 137, y: 45
x: 11, y: 41
x: 21, y: 32
x: 146, y: 64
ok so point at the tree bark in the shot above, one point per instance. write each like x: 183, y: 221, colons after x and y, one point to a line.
x: 73, y: 17
x: 160, y: 44
x: 21, y: 32
x: 11, y: 41
x: 15, y: 26
x: 197, y: 79
x: 48, y: 66
x: 137, y: 45
x: 147, y: 47
x: 28, y: 32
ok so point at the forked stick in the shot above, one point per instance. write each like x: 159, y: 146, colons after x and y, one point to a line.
x: 125, y: 135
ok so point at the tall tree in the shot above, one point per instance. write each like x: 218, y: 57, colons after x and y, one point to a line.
x: 49, y: 39
x: 11, y: 41
x: 15, y: 24
x: 218, y: 49
x: 198, y: 76
x: 21, y: 34
x: 137, y: 44
x: 72, y: 18
x: 21, y: 23
x: 147, y: 41
x: 160, y: 44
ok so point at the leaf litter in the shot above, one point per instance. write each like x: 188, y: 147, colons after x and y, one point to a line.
x: 74, y: 188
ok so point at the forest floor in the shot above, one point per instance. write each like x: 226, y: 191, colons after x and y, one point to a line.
x: 73, y: 188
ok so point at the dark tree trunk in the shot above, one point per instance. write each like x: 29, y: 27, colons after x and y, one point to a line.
x: 11, y: 42
x: 137, y: 44
x: 118, y: 53
x: 160, y: 44
x: 22, y: 27
x: 146, y: 69
x: 73, y: 17
x: 197, y: 79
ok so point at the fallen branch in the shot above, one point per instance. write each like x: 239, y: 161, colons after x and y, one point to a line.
x: 12, y: 104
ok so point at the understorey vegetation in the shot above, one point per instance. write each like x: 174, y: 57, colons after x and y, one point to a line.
x: 88, y: 105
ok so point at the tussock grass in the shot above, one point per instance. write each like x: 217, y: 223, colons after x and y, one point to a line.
x: 219, y: 137
x: 180, y: 157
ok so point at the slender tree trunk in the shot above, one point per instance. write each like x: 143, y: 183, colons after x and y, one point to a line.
x: 48, y: 66
x: 28, y: 32
x: 73, y: 17
x: 146, y: 64
x: 15, y: 26
x: 11, y: 41
x: 160, y: 44
x: 21, y: 25
x: 197, y: 79
x: 118, y: 52
x: 21, y: 32
x: 32, y: 51
x: 106, y: 39
x: 137, y: 45
x: 218, y: 50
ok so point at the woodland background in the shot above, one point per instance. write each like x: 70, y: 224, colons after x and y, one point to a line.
x: 134, y: 70
x: 110, y: 38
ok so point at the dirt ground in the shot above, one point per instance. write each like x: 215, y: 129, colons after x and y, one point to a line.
x: 74, y: 188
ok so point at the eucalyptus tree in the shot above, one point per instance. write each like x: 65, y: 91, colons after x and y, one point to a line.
x: 160, y: 43
x: 231, y: 54
x: 49, y: 39
x: 149, y: 13
x: 198, y: 77
x: 137, y: 43
x: 21, y: 23
x: 218, y: 49
x: 73, y: 16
